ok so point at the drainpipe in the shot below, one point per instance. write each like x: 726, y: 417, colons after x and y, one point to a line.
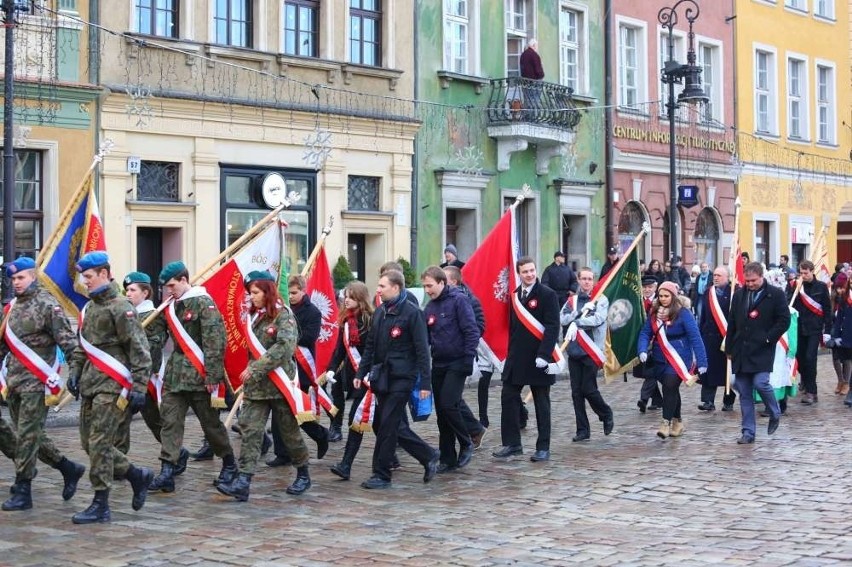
x: 95, y: 78
x: 415, y: 177
x: 608, y: 101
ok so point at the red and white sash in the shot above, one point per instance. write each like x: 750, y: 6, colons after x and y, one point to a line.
x: 299, y: 402
x: 47, y: 374
x: 585, y: 341
x: 363, y: 419
x: 105, y: 362
x: 718, y: 314
x: 319, y: 397
x: 537, y: 330
x: 813, y: 306
x: 794, y: 366
x: 674, y: 359
x: 189, y: 347
x: 155, y: 382
x: 351, y: 352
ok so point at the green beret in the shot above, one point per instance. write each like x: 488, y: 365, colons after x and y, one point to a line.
x: 259, y: 276
x: 136, y: 277
x: 171, y: 270
x: 91, y: 260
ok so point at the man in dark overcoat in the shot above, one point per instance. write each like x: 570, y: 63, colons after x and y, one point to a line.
x: 714, y: 312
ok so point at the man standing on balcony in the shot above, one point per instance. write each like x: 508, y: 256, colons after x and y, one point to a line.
x: 531, y: 69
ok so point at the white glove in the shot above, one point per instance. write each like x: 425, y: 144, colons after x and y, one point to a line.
x: 826, y: 337
x: 53, y: 381
x: 838, y: 342
x: 566, y: 317
x: 590, y: 306
x: 540, y: 363
x: 643, y: 356
x: 571, y: 332
x: 329, y: 375
x: 702, y: 370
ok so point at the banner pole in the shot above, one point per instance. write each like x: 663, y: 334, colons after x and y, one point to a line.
x: 732, y: 275
x: 309, y: 265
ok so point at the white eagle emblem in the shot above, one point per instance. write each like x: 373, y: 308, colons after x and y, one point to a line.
x: 323, y: 303
x: 501, y: 286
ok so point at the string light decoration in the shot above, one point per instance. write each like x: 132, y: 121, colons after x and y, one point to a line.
x: 317, y: 148
x: 139, y: 106
x: 469, y: 160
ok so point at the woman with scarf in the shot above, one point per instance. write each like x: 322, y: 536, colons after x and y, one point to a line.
x: 354, y: 324
x: 841, y: 335
x: 670, y: 341
x: 272, y: 336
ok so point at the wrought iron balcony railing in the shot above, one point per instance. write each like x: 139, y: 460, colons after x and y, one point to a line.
x: 515, y: 99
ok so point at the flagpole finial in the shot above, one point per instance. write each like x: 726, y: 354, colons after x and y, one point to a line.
x: 104, y: 148
x: 291, y: 199
x: 646, y: 227
x: 326, y: 230
x: 738, y: 203
x: 525, y: 192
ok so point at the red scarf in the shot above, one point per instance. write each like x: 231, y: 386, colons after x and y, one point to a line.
x: 354, y: 335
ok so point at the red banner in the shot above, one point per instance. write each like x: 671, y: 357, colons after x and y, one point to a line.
x: 320, y: 288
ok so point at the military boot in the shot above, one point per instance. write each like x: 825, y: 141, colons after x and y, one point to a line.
x: 140, y: 479
x: 97, y: 512
x: 238, y: 487
x: 204, y: 453
x: 165, y: 481
x: 71, y: 474
x: 183, y: 457
x: 21, y: 499
x: 344, y: 467
x: 229, y: 471
x: 302, y: 482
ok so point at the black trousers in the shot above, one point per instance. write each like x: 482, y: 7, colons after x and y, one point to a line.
x: 806, y: 354
x: 338, y: 397
x: 650, y: 391
x: 708, y: 395
x: 391, y: 427
x: 671, y: 396
x: 584, y: 388
x: 447, y: 387
x: 510, y: 415
x: 482, y: 397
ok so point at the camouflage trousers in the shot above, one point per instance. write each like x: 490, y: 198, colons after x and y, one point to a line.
x: 173, y: 415
x: 253, y: 416
x: 100, y: 420
x: 28, y: 417
x: 8, y: 439
x: 151, y: 415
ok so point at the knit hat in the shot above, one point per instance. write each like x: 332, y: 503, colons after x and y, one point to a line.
x: 136, y: 277
x: 840, y: 279
x: 670, y: 287
x: 258, y: 276
x: 91, y: 260
x: 170, y: 271
x: 22, y: 263
x: 451, y: 248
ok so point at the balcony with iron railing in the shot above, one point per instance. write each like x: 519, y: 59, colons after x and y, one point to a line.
x: 526, y: 111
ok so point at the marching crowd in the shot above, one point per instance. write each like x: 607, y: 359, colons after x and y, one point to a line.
x: 388, y: 349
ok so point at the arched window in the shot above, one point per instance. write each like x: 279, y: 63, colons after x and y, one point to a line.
x: 706, y: 237
x: 630, y: 224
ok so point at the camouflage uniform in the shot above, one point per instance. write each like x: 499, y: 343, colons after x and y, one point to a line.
x: 112, y: 325
x: 279, y: 337
x: 155, y: 332
x: 8, y: 439
x: 184, y: 387
x: 40, y: 323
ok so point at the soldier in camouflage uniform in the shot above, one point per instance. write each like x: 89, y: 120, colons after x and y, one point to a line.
x: 37, y: 321
x: 275, y: 328
x: 109, y: 324
x: 193, y: 321
x: 8, y: 439
x: 137, y: 288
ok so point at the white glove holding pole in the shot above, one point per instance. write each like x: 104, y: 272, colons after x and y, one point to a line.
x: 571, y: 332
x: 540, y: 363
x: 329, y: 375
x: 643, y: 356
x: 825, y: 338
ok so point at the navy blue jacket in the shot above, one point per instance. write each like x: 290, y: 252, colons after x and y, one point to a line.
x: 842, y: 328
x: 453, y: 332
x: 683, y: 335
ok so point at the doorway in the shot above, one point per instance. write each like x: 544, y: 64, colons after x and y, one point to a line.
x: 355, y: 254
x: 149, y: 251
x: 575, y: 240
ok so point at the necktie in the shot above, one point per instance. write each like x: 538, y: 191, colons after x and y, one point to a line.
x: 524, y: 294
x: 750, y: 300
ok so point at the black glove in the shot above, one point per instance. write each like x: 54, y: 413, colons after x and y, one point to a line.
x: 137, y: 402
x: 73, y: 386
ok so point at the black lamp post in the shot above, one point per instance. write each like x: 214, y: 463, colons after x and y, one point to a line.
x: 673, y: 73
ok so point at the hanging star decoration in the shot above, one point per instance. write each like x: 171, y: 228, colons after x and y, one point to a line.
x: 569, y: 162
x: 469, y: 160
x: 140, y: 106
x: 317, y: 148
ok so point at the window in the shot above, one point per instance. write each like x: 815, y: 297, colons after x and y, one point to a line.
x: 765, y: 98
x: 826, y: 111
x: 232, y: 21
x: 457, y: 39
x: 516, y: 15
x: 157, y: 17
x: 797, y: 5
x: 519, y: 30
x: 824, y: 8
x: 158, y: 181
x: 572, y: 45
x: 797, y: 104
x: 710, y: 61
x: 630, y: 223
x: 706, y: 237
x: 301, y: 27
x: 365, y: 25
x: 363, y: 193
x: 526, y: 227
x: 631, y: 54
x: 29, y: 192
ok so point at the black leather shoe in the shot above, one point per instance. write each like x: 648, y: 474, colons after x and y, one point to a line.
x: 654, y: 407
x: 745, y: 440
x: 302, y: 482
x: 609, y: 424
x: 508, y: 451
x: 375, y: 483
x: 707, y: 406
x: 335, y: 434
x: 431, y: 468
x: 540, y: 455
x: 465, y: 455
x: 204, y: 453
x: 774, y: 422
x: 279, y: 461
x: 580, y: 437
x: 642, y: 405
x: 477, y: 438
x: 445, y: 468
x: 395, y: 464
x: 71, y: 474
x: 728, y: 407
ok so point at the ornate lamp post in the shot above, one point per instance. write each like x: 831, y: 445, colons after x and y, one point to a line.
x: 673, y: 74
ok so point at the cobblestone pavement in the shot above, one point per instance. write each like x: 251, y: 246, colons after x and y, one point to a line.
x: 627, y: 499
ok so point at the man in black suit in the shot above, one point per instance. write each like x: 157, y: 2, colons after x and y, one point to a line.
x: 527, y: 361
x: 759, y: 317
x: 814, y: 306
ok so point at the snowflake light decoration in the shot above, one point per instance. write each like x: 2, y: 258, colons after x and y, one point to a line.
x: 139, y: 106
x: 317, y: 148
x: 469, y: 160
x: 569, y: 162
x: 798, y: 192
x: 20, y: 136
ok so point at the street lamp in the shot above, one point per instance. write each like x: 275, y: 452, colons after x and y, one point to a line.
x: 673, y: 73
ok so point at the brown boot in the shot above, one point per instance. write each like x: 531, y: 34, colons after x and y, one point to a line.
x: 677, y: 428
x: 665, y: 429
x: 844, y: 389
x: 839, y: 388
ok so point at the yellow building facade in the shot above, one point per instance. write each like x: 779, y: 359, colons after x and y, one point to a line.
x: 794, y: 139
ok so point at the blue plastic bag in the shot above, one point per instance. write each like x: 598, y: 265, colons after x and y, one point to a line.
x: 420, y: 409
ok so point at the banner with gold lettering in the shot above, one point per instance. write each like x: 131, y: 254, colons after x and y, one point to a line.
x: 226, y: 288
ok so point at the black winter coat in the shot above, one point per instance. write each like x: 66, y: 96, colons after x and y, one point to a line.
x: 754, y: 330
x: 524, y: 347
x: 717, y: 362
x: 809, y: 322
x: 309, y: 320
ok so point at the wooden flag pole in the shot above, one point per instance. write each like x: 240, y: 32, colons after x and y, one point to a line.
x: 732, y: 274
x: 821, y: 242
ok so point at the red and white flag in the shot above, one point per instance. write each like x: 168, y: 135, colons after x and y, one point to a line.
x: 320, y: 288
x: 488, y: 274
x: 820, y: 259
x: 226, y: 288
x: 736, y: 264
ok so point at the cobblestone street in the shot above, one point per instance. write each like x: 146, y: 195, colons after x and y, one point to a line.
x: 627, y: 499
